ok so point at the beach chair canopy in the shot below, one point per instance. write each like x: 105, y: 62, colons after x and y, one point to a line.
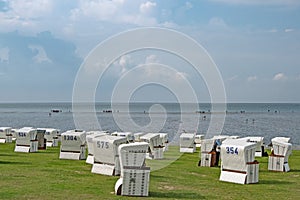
x: 233, y: 137
x: 281, y: 148
x: 164, y: 137
x: 220, y: 138
x: 106, y: 148
x: 258, y: 140
x: 282, y: 139
x: 25, y: 135
x: 236, y: 153
x: 50, y: 133
x: 5, y: 131
x: 153, y: 139
x: 199, y: 138
x: 133, y: 154
x: 128, y: 135
x: 137, y: 136
x: 187, y: 140
x: 72, y: 141
x: 91, y: 135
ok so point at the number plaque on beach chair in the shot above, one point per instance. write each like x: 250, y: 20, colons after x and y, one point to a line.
x: 73, y: 145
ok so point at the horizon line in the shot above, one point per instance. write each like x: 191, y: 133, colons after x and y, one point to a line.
x: 158, y: 102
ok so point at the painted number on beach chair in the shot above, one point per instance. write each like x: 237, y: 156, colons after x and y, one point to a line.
x: 21, y: 134
x: 232, y: 150
x: 102, y: 144
x: 70, y: 137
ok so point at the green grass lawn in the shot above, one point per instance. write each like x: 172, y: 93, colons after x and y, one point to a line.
x: 42, y: 175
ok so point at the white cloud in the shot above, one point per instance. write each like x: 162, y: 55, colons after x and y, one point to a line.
x: 146, y: 8
x: 158, y: 73
x: 115, y: 11
x: 260, y: 2
x: 122, y: 65
x: 124, y: 62
x: 98, y: 9
x: 140, y: 20
x: 25, y: 15
x: 252, y: 78
x: 150, y: 69
x: 279, y: 76
x: 4, y: 54
x: 151, y: 59
x: 72, y: 19
x: 31, y: 9
x: 181, y: 75
x: 288, y: 30
x: 41, y: 55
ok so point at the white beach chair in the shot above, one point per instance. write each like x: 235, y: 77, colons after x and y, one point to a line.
x: 5, y: 135
x: 51, y: 135
x: 73, y: 145
x: 238, y: 163
x: 26, y: 140
x: 187, y: 143
x: 134, y: 180
x: 106, y: 155
x: 198, y: 140
x: 155, y: 150
x: 278, y: 160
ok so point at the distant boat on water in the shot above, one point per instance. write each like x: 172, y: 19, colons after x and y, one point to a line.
x: 56, y: 110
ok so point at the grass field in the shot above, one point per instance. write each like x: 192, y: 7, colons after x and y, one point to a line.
x: 42, y: 175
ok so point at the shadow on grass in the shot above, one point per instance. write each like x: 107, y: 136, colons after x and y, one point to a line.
x: 14, y: 163
x: 13, y: 154
x: 268, y: 182
x: 294, y: 170
x: 157, y: 176
x: 44, y: 151
x: 176, y: 195
x: 6, y: 154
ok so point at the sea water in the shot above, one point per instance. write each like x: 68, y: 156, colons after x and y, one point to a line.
x: 242, y: 119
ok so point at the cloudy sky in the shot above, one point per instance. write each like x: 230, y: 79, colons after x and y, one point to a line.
x: 255, y: 45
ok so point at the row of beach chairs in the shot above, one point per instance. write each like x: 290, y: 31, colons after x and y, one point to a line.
x: 115, y: 154
x: 29, y: 139
x: 238, y: 164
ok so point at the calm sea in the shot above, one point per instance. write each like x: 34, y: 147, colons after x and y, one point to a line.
x: 242, y: 119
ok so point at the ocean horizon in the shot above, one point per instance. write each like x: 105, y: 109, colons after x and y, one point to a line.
x: 242, y: 119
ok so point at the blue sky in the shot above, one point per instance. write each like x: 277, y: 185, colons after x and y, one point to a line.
x: 254, y: 43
